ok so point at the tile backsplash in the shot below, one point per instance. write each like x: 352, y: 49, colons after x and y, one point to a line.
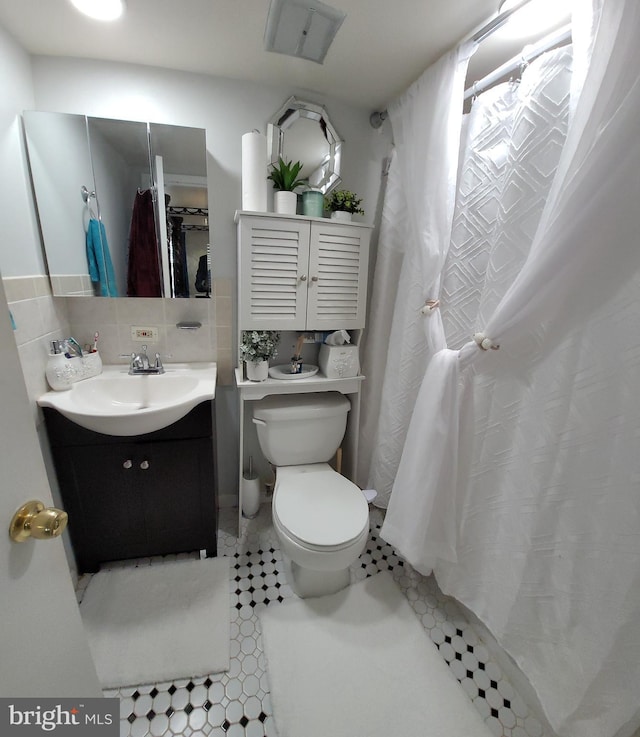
x: 41, y: 318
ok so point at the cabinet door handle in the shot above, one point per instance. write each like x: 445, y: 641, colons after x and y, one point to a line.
x: 303, y: 277
x: 127, y: 464
x: 144, y: 465
x: 314, y: 278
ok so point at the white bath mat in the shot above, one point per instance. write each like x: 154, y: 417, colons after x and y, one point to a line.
x: 359, y: 663
x: 158, y: 623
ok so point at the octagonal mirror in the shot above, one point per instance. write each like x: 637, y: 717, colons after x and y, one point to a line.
x: 301, y: 131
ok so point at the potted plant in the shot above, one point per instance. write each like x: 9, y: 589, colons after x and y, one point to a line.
x: 342, y: 204
x: 284, y: 176
x: 256, y: 348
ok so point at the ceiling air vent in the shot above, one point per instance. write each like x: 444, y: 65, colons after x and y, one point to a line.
x: 302, y: 28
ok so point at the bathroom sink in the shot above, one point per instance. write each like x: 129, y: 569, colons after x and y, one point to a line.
x: 115, y: 403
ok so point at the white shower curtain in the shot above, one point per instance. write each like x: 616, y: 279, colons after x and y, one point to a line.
x: 518, y: 479
x: 414, y: 238
x: 514, y: 136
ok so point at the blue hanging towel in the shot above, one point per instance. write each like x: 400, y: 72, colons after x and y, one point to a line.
x: 99, y: 259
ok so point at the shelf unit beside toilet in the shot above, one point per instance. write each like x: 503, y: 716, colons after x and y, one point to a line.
x: 298, y: 273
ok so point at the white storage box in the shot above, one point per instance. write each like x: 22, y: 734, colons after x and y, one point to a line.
x: 339, y: 361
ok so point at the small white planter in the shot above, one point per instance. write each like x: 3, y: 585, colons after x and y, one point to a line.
x: 342, y: 215
x: 286, y: 203
x: 257, y: 370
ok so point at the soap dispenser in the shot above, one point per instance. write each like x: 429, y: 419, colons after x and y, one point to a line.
x: 59, y: 371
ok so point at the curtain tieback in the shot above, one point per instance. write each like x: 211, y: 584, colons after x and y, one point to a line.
x: 485, y: 343
x: 429, y: 306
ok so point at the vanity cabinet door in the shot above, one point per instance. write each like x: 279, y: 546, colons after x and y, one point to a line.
x: 177, y: 488
x: 100, y: 492
x: 137, y: 497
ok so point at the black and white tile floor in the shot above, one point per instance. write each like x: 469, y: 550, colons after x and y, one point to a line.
x: 237, y: 703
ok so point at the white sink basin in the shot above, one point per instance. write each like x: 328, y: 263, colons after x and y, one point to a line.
x: 115, y: 403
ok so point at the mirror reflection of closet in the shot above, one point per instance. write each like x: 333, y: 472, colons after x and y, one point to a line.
x: 97, y: 184
x: 180, y: 173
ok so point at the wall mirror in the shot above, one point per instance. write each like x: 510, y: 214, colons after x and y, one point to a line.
x: 301, y: 131
x: 122, y: 205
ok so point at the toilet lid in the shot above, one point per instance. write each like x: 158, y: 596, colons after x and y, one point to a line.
x: 321, y: 508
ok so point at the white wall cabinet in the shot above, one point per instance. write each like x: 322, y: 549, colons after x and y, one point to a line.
x: 299, y: 273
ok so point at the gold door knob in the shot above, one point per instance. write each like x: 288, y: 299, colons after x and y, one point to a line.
x: 35, y: 520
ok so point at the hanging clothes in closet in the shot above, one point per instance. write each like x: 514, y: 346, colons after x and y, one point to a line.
x: 178, y: 256
x: 143, y: 273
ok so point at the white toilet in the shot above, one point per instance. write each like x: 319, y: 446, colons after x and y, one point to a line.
x: 320, y: 517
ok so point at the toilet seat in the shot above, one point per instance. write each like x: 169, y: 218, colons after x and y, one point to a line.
x: 319, y: 508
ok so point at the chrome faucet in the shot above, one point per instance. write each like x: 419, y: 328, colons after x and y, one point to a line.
x: 139, y: 363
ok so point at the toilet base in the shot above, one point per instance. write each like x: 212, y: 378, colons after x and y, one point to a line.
x: 306, y: 583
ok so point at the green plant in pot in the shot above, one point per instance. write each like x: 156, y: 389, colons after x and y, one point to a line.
x: 256, y: 348
x: 284, y: 176
x: 342, y: 204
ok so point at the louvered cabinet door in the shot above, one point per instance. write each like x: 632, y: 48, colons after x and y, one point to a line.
x: 273, y: 270
x: 338, y: 263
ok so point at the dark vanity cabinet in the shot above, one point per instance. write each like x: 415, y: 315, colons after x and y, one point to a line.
x: 132, y: 497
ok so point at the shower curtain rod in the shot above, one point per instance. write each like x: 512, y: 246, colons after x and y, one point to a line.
x: 528, y: 54
x: 478, y: 36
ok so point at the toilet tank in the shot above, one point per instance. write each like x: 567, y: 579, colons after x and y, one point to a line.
x: 295, y: 429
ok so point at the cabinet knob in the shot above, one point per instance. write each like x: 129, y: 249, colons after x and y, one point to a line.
x: 314, y: 278
x: 127, y: 464
x: 144, y: 465
x: 303, y: 277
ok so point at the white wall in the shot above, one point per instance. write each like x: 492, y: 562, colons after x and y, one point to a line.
x: 20, y: 252
x: 226, y: 108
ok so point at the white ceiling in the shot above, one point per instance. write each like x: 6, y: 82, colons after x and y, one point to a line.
x: 382, y: 46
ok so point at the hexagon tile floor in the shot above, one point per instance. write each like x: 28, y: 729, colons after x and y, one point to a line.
x: 237, y: 703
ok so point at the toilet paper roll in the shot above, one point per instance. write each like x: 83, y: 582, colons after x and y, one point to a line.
x: 254, y: 172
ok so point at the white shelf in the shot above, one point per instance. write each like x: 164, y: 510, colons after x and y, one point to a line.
x: 251, y: 390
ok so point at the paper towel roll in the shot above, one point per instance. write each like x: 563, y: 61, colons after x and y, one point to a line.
x: 254, y: 172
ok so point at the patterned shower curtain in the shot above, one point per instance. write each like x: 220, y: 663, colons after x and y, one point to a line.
x: 547, y: 544
x: 514, y: 136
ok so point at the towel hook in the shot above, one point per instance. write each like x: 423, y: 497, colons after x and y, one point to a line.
x: 86, y: 194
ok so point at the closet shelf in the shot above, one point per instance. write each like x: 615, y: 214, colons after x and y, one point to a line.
x: 201, y: 211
